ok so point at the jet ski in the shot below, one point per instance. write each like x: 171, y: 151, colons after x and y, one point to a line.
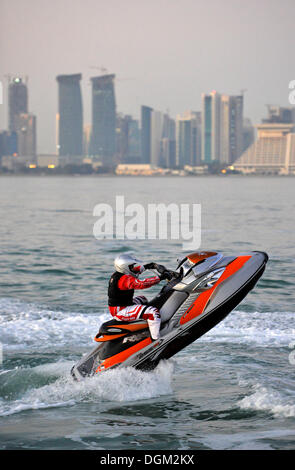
x: 203, y: 290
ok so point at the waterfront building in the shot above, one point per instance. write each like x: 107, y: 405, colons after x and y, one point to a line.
x: 146, y: 113
x: 50, y: 161
x: 138, y: 169
x: 26, y: 135
x: 231, y: 128
x: 17, y: 101
x: 128, y: 144
x: 280, y: 114
x: 188, y: 139
x: 274, y: 150
x: 103, y: 135
x: 134, y: 141
x: 157, y: 126
x: 8, y: 143
x: 70, y: 115
x: 210, y: 127
x: 168, y: 152
x: 162, y: 131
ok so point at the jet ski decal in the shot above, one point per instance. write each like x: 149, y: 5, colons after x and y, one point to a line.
x: 198, y: 307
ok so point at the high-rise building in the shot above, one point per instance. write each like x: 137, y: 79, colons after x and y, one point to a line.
x: 184, y: 143
x: 70, y: 115
x: 26, y: 135
x: 162, y: 128
x: 188, y: 139
x: 157, y: 124
x: 168, y: 143
x: 248, y: 134
x: 198, y: 136
x: 231, y: 128
x: 17, y: 101
x: 8, y: 143
x: 127, y: 139
x: 210, y: 127
x: 122, y: 132
x: 146, y: 114
x: 134, y: 142
x: 168, y: 150
x: 279, y: 114
x: 103, y: 136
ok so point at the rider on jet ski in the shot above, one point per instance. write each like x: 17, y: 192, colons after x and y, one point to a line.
x: 122, y: 305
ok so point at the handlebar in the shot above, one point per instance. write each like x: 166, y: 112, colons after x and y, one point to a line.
x: 170, y: 275
x: 163, y: 271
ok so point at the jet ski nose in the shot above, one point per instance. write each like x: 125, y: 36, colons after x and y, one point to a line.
x: 264, y: 254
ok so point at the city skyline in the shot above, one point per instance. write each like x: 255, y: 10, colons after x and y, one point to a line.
x: 219, y: 134
x: 137, y: 116
x: 164, y: 54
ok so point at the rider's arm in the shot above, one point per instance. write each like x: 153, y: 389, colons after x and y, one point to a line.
x: 128, y: 282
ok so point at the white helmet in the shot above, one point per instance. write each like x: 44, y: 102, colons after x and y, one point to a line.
x: 127, y: 264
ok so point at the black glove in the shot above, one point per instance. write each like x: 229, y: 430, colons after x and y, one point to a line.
x: 159, y: 267
x: 150, y: 266
x: 166, y: 275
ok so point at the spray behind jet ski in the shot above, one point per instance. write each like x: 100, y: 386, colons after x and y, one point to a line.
x: 205, y: 287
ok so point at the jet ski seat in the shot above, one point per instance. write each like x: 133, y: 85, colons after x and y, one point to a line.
x: 114, y: 328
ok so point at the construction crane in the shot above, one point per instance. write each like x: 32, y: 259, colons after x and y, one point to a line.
x: 102, y: 69
x: 105, y: 71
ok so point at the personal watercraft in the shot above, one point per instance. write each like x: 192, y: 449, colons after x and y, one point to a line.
x: 204, y: 289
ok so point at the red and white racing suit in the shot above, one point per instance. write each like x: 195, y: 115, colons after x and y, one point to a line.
x: 138, y: 308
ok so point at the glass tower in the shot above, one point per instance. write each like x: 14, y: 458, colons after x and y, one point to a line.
x: 146, y: 114
x: 70, y: 118
x: 17, y: 101
x: 103, y: 136
x: 210, y: 127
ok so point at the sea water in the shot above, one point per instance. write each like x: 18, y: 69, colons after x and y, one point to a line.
x: 231, y: 389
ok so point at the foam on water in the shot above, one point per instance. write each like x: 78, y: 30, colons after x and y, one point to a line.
x: 27, y: 326
x: 266, y: 399
x: 257, y: 328
x: 119, y: 385
x: 252, y: 440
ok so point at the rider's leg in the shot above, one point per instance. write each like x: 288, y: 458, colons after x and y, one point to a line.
x: 135, y: 312
x: 153, y: 317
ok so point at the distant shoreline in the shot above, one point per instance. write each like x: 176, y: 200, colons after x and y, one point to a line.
x: 113, y: 175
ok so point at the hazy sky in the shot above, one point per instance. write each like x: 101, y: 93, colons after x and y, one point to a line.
x: 165, y: 53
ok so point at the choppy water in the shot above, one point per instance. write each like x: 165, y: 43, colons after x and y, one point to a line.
x: 231, y: 389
